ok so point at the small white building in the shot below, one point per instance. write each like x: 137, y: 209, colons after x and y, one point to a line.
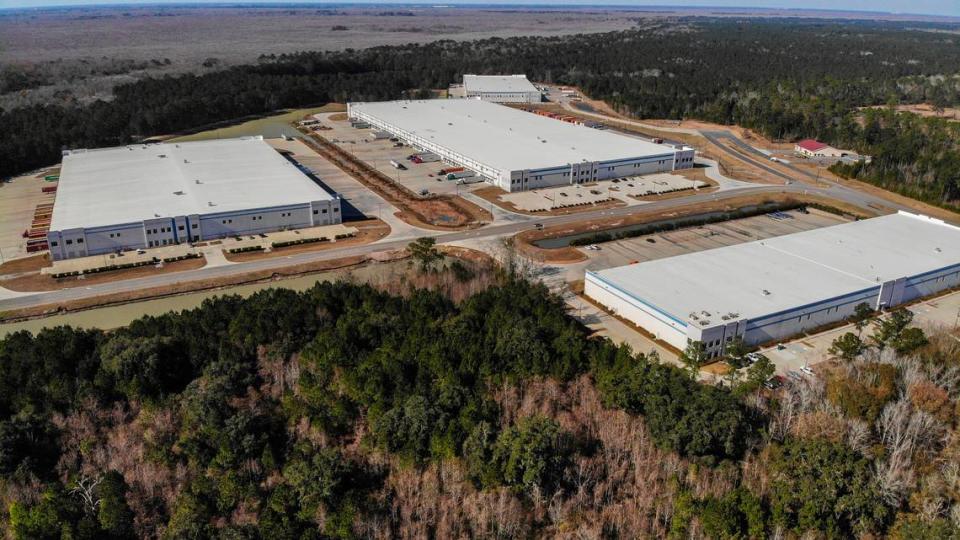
x: 149, y: 195
x: 517, y: 150
x: 777, y: 288
x: 501, y: 88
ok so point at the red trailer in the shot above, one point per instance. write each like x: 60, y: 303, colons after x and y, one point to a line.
x: 38, y: 246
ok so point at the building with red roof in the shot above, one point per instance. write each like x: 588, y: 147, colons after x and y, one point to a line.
x: 814, y: 148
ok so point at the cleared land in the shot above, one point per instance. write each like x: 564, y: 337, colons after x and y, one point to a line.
x: 925, y: 109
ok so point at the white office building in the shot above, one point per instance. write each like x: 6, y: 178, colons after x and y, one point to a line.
x: 516, y: 150
x: 772, y: 289
x: 149, y: 195
x: 501, y: 88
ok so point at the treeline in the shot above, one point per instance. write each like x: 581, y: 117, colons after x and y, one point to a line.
x: 786, y: 78
x: 911, y: 155
x: 344, y: 411
x: 256, y: 406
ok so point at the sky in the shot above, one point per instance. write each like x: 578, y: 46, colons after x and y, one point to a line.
x: 926, y: 7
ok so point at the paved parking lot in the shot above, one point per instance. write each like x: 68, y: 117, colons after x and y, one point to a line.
x: 18, y: 199
x: 629, y: 190
x: 379, y: 154
x: 80, y: 264
x: 688, y: 240
x: 558, y: 197
x: 942, y: 313
x: 356, y: 200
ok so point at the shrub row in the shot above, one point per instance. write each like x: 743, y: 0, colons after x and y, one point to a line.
x: 107, y: 268
x: 299, y: 241
x: 182, y: 257
x: 245, y: 249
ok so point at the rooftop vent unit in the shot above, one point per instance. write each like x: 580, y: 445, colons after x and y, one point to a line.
x: 705, y: 322
x: 210, y: 203
x: 161, y: 155
x: 766, y: 292
x: 694, y: 317
x: 178, y: 193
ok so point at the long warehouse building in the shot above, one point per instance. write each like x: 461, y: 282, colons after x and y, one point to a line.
x: 516, y: 150
x: 149, y: 195
x: 769, y: 290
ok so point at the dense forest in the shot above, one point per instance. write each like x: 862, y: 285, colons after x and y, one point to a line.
x: 347, y: 411
x: 785, y: 78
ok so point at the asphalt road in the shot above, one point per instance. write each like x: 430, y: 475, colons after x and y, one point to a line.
x: 515, y: 224
x: 495, y: 230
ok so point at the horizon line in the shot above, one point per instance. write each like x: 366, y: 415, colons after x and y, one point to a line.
x: 466, y: 3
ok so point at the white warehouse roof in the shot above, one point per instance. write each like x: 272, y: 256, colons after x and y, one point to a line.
x: 508, y: 139
x: 132, y: 183
x: 778, y: 274
x: 498, y: 83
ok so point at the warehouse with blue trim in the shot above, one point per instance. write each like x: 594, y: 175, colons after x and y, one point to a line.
x: 773, y: 289
x: 151, y: 195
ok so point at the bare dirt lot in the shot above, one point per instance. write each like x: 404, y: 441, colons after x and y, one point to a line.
x: 925, y: 109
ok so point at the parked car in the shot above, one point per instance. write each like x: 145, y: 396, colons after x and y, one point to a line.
x: 774, y: 382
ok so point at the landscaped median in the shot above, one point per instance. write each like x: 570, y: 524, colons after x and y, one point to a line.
x: 50, y: 279
x: 112, y: 267
x: 290, y: 242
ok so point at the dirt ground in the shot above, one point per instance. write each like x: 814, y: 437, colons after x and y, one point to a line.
x: 367, y: 231
x: 269, y: 126
x: 566, y: 255
x: 27, y: 264
x: 924, y: 109
x: 35, y: 281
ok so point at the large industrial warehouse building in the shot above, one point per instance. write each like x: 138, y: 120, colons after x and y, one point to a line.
x: 772, y: 289
x: 516, y: 150
x: 501, y: 88
x: 143, y: 196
